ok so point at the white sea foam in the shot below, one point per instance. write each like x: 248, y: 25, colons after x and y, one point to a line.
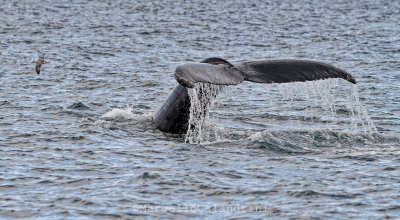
x: 123, y: 117
x: 124, y: 113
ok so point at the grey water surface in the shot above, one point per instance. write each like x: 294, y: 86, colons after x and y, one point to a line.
x: 77, y: 141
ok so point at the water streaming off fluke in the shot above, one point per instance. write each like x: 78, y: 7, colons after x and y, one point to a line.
x: 201, y: 97
x: 323, y: 104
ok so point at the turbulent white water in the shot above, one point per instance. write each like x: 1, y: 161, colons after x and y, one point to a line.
x: 125, y: 113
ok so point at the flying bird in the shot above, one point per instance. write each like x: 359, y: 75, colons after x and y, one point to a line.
x: 39, y: 63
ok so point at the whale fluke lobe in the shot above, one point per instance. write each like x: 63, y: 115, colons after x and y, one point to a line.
x: 218, y: 74
x: 173, y: 115
x: 284, y: 71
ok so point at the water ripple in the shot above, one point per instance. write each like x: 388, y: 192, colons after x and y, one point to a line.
x: 77, y: 141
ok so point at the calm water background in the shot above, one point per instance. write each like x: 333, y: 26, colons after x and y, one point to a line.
x: 77, y: 141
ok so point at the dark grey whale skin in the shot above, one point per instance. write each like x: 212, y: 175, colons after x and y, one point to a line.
x: 285, y: 71
x: 173, y: 114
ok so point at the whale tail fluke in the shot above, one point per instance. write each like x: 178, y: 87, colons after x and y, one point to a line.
x: 218, y: 71
x: 174, y: 114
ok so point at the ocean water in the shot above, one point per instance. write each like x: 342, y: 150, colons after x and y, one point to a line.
x: 78, y: 142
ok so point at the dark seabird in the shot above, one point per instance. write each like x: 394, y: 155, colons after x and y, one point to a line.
x: 173, y: 114
x: 39, y: 63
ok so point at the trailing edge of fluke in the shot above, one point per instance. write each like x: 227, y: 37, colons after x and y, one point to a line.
x: 173, y: 114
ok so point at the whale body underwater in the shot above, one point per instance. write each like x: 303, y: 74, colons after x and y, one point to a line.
x: 173, y: 114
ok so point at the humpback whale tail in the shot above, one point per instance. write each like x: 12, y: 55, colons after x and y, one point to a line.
x: 173, y: 115
x: 220, y: 72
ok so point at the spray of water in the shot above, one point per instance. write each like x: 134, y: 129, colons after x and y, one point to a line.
x: 360, y: 112
x: 330, y: 104
x: 327, y: 99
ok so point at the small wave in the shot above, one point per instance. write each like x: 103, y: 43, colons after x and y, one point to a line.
x: 147, y: 175
x: 312, y: 193
x: 359, y: 145
x: 390, y: 208
x: 78, y: 105
x: 4, y: 103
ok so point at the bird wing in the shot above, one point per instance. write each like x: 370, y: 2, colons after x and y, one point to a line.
x: 220, y: 74
x: 283, y: 71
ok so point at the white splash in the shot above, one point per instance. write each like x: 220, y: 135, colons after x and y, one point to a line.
x: 120, y: 113
x: 120, y: 117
